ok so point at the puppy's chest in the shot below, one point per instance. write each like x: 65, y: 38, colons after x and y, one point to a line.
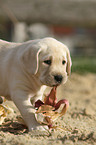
x: 32, y: 85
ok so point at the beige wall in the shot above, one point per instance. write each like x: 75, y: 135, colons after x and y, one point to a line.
x: 70, y: 12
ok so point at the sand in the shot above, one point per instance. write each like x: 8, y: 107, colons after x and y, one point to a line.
x: 76, y: 127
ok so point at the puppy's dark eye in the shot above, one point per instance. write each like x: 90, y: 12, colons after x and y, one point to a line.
x: 47, y: 62
x: 63, y: 62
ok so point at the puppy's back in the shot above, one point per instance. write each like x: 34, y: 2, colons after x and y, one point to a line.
x: 7, y: 45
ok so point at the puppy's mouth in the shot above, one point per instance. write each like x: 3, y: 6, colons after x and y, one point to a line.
x: 53, y: 85
x: 56, y: 85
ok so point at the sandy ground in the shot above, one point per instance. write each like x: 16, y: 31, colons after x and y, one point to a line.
x: 77, y: 127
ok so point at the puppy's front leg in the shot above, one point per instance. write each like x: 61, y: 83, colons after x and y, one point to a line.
x: 38, y: 95
x: 22, y: 101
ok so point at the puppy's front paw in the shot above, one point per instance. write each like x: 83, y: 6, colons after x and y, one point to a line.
x: 39, y: 127
x: 42, y: 127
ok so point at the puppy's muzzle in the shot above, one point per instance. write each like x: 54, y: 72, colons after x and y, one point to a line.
x: 58, y: 78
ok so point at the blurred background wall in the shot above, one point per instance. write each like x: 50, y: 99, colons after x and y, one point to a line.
x: 73, y: 22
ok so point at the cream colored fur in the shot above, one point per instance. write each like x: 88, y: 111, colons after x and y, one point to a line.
x: 25, y: 75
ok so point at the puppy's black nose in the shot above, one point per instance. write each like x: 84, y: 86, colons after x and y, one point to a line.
x: 58, y: 78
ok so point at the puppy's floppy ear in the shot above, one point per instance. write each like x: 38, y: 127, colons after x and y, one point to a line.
x: 30, y: 58
x: 69, y: 62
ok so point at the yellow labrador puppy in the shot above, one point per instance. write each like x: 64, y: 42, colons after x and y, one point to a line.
x: 27, y: 68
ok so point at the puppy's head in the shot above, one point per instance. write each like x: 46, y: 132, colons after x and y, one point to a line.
x: 50, y: 59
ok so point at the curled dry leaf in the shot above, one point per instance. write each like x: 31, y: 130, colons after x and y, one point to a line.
x: 47, y: 111
x: 20, y: 120
x: 4, y: 110
x: 2, y: 99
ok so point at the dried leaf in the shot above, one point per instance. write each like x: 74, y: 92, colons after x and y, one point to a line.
x: 41, y: 118
x: 46, y: 112
x: 20, y: 120
x: 4, y: 110
x: 51, y: 98
x: 38, y: 103
x: 2, y: 99
x: 45, y: 108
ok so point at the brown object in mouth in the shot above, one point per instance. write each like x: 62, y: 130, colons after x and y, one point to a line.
x: 46, y: 112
